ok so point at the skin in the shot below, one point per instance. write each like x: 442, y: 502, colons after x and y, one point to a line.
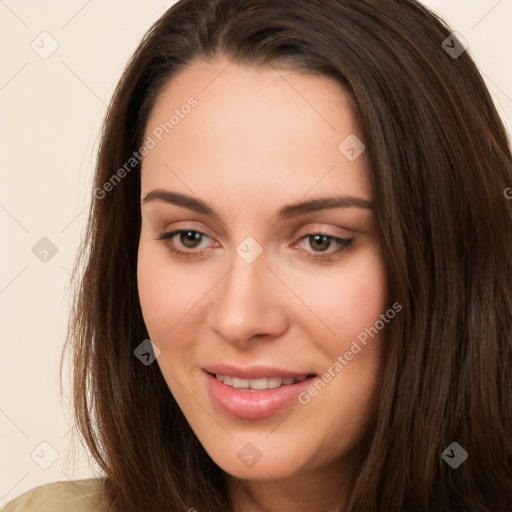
x: 259, y: 139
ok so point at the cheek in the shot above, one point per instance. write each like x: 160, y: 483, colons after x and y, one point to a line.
x: 349, y: 300
x: 166, y: 293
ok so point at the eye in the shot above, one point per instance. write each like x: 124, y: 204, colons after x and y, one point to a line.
x: 322, y: 246
x: 320, y: 242
x: 189, y: 239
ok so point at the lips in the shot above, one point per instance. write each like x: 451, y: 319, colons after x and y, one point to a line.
x: 256, y: 392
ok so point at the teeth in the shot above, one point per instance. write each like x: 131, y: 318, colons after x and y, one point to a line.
x: 276, y: 382
x: 257, y: 384
x: 240, y: 383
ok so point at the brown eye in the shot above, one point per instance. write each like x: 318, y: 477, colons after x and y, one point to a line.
x: 186, y: 243
x: 321, y: 247
x: 190, y: 239
x: 319, y: 243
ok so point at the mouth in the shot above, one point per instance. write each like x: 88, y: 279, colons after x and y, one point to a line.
x: 256, y: 392
x: 258, y: 384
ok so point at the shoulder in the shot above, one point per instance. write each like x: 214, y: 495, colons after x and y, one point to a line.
x: 69, y: 496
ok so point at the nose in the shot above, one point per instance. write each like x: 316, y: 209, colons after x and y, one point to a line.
x: 248, y: 304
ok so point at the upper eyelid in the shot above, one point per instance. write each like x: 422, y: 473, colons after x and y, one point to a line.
x: 188, y: 226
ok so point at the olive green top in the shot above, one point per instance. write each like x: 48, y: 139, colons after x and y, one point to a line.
x: 69, y: 496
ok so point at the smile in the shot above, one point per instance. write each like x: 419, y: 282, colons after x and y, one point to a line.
x: 256, y: 392
x: 258, y: 384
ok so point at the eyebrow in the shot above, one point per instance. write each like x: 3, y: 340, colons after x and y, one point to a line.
x: 286, y: 212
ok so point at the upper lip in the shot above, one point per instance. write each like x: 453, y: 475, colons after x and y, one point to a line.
x: 254, y: 372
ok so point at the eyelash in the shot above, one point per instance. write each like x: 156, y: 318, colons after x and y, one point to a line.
x: 344, y: 245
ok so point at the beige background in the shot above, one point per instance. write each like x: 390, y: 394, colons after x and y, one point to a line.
x: 51, y: 110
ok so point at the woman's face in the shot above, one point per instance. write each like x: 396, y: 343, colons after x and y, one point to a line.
x: 269, y: 268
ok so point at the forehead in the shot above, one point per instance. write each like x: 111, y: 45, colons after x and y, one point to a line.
x: 264, y: 130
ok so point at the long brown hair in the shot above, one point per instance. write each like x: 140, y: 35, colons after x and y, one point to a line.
x: 440, y: 162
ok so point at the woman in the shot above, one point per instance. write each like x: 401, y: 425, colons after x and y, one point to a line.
x: 303, y: 205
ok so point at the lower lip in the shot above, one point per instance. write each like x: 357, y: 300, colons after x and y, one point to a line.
x: 253, y: 405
